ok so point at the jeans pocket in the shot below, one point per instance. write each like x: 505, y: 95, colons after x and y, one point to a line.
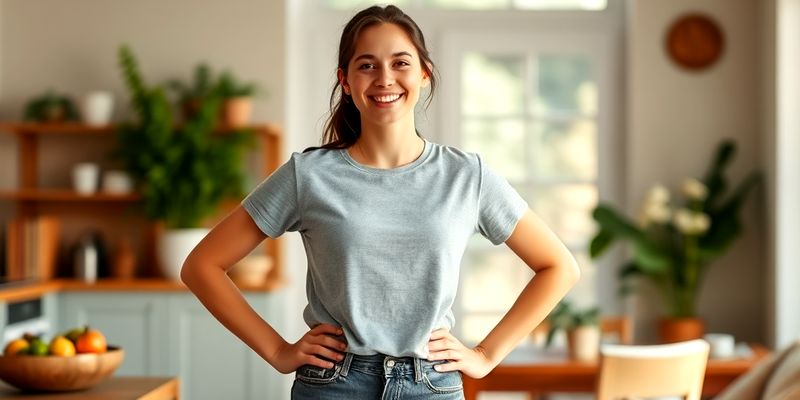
x: 317, y: 375
x: 443, y: 382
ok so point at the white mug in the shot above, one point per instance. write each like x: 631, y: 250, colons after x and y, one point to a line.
x: 97, y: 107
x: 722, y: 345
x: 85, y: 177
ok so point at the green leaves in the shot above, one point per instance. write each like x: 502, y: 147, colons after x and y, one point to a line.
x: 675, y: 262
x: 184, y: 172
x: 565, y: 316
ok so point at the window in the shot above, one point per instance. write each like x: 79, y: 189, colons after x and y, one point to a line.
x: 531, y: 107
x: 588, y: 5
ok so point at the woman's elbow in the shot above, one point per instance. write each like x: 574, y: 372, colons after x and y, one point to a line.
x: 572, y: 271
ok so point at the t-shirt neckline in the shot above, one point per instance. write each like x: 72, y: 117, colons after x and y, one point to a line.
x: 387, y: 171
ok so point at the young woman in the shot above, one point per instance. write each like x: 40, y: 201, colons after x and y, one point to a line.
x: 385, y: 217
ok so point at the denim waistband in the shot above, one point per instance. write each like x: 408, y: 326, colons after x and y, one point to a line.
x: 388, y: 365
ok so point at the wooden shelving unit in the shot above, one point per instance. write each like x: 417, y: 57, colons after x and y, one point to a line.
x: 30, y: 198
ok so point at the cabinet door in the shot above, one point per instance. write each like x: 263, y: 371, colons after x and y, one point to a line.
x: 135, y: 321
x: 213, y: 363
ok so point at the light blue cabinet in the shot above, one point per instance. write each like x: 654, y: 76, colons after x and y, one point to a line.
x: 135, y: 321
x: 171, y: 333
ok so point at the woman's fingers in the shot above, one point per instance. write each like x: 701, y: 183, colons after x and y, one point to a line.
x: 448, y: 366
x: 326, y: 328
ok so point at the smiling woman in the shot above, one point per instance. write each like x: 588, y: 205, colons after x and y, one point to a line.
x: 385, y: 217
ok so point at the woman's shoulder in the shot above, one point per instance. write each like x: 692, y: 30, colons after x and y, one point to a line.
x: 314, y: 157
x: 455, y: 156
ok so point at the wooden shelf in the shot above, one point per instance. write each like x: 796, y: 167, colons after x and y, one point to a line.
x: 27, y: 129
x: 65, y: 195
x: 33, y: 290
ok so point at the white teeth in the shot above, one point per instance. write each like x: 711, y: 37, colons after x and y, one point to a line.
x: 386, y: 99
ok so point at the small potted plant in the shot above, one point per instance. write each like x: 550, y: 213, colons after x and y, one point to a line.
x: 582, y: 329
x: 237, y: 100
x: 191, y: 96
x: 51, y: 107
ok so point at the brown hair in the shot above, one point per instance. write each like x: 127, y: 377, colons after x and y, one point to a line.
x: 343, y: 127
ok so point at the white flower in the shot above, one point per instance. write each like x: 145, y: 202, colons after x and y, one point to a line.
x: 657, y: 194
x: 652, y: 210
x: 690, y: 222
x: 694, y: 189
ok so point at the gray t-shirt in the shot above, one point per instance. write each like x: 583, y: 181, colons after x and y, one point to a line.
x: 384, y: 246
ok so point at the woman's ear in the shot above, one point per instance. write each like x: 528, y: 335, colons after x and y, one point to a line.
x: 426, y: 79
x: 343, y: 81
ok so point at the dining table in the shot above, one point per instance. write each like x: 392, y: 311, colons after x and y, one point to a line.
x: 538, y: 371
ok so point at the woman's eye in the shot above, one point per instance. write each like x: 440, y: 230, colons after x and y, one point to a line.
x: 403, y: 63
x: 366, y: 66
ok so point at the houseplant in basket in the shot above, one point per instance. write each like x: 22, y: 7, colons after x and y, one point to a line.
x: 674, y: 248
x: 184, y: 172
x: 581, y: 326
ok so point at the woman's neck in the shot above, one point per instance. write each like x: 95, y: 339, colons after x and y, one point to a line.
x: 387, y: 147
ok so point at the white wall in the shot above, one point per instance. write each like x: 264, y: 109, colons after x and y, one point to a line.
x: 676, y: 118
x: 787, y: 165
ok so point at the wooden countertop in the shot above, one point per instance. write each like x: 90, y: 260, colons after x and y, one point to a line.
x: 113, y: 388
x: 32, y: 290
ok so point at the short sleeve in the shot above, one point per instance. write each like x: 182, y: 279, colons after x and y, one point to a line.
x: 273, y: 203
x: 500, y: 207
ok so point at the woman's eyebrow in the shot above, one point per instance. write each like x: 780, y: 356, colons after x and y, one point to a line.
x: 372, y: 57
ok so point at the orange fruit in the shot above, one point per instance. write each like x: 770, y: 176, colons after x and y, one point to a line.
x: 91, y: 341
x: 61, y: 346
x: 15, y: 346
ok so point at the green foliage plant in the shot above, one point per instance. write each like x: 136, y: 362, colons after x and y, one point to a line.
x: 673, y: 249
x: 51, y: 107
x: 567, y: 317
x: 231, y: 87
x: 183, y: 172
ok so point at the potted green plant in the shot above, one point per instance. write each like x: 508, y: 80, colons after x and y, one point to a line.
x: 674, y: 248
x: 237, y: 105
x: 581, y: 327
x: 183, y: 172
x: 191, y: 95
x: 51, y: 107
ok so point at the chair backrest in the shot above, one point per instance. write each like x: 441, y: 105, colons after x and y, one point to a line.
x: 676, y: 369
x: 620, y: 326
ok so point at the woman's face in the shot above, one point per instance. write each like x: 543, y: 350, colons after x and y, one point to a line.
x: 385, y: 75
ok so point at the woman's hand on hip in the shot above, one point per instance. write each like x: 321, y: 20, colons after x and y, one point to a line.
x: 314, y: 344
x: 444, y: 346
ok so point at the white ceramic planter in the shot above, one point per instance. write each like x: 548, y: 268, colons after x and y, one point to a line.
x: 174, y: 245
x: 97, y: 108
x: 584, y: 343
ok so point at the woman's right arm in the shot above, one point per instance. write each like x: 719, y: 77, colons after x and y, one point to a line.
x: 205, y: 274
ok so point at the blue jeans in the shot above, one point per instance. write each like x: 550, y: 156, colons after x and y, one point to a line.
x: 377, y: 377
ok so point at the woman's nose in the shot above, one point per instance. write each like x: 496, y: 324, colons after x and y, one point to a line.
x: 385, y: 78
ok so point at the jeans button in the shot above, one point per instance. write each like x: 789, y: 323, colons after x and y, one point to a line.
x: 390, y: 363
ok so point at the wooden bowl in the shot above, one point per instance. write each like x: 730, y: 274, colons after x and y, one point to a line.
x: 57, y: 374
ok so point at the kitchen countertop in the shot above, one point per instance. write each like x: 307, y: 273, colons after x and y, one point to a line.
x: 37, y: 289
x: 113, y: 388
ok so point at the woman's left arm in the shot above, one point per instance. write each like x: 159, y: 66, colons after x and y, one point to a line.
x: 555, y: 273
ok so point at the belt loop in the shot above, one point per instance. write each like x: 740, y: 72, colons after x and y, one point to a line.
x: 417, y: 370
x: 348, y: 358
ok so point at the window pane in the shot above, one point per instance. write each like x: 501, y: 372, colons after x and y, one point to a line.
x: 565, y: 149
x: 467, y: 4
x: 492, y: 84
x: 565, y: 84
x: 584, y: 294
x: 501, y: 143
x: 567, y: 210
x: 492, y: 280
x: 561, y: 4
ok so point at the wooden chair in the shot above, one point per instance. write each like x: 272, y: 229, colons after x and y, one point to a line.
x: 621, y: 326
x: 676, y: 369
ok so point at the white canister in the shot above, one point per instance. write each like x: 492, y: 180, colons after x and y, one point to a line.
x: 85, y: 178
x: 97, y: 107
x: 117, y: 182
x: 721, y: 345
